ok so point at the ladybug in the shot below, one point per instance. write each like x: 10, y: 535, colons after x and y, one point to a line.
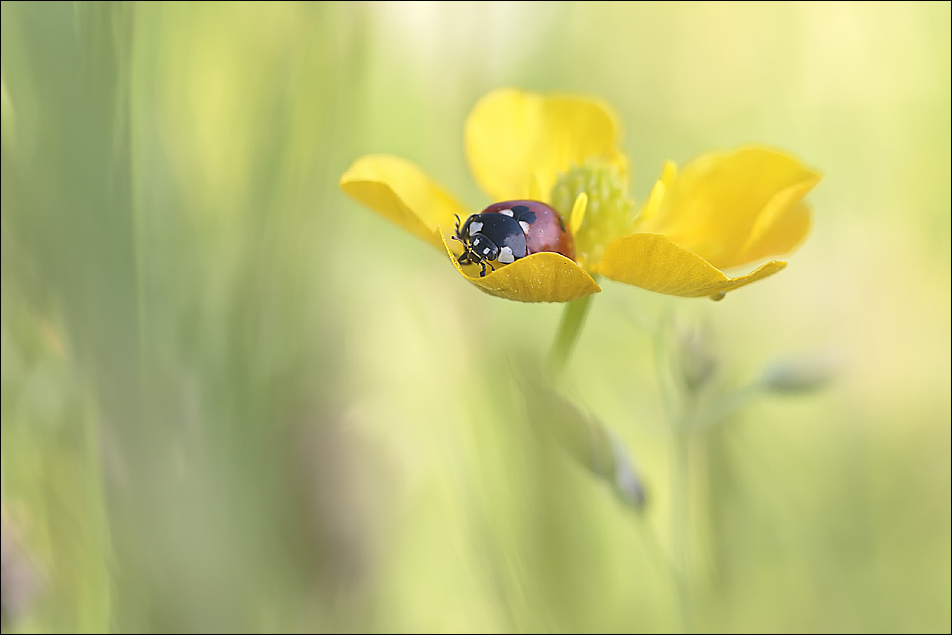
x: 507, y: 231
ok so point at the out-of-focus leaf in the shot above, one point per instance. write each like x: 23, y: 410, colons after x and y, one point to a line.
x: 586, y: 439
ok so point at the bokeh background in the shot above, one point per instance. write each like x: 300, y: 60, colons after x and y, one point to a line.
x: 234, y: 399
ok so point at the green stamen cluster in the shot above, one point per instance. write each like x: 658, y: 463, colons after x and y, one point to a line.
x: 610, y: 213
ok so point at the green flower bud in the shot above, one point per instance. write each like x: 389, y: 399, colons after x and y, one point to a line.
x: 697, y: 362
x: 797, y: 376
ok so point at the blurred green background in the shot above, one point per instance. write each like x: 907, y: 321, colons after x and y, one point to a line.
x: 234, y: 399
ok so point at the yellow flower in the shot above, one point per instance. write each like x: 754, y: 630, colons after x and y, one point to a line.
x: 723, y: 210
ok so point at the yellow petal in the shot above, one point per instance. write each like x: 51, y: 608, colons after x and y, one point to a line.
x: 542, y: 277
x: 734, y: 208
x: 400, y: 191
x: 653, y: 262
x: 778, y: 232
x: 514, y: 137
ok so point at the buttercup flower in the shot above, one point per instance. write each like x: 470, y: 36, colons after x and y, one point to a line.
x: 723, y: 210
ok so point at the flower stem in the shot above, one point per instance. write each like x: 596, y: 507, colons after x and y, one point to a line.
x: 680, y: 521
x: 681, y: 407
x: 569, y: 329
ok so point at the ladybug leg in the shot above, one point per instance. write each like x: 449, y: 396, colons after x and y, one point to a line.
x: 464, y: 258
x: 482, y: 273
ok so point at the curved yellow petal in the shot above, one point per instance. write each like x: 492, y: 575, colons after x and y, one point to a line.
x: 514, y: 138
x: 733, y: 208
x: 779, y: 230
x: 542, y: 277
x: 400, y: 191
x: 653, y: 262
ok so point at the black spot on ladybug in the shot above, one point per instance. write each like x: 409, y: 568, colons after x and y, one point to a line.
x: 523, y: 214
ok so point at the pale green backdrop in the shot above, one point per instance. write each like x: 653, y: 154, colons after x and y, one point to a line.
x: 234, y: 399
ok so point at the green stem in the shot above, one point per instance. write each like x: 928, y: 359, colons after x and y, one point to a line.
x: 569, y: 329
x: 680, y: 521
x: 683, y: 419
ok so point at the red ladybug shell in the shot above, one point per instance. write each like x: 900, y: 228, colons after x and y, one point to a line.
x: 545, y: 230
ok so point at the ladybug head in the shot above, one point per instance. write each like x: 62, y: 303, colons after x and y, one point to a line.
x: 477, y: 248
x: 481, y: 248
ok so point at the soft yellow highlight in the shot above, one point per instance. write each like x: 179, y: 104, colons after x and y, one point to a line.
x: 400, y: 191
x: 542, y: 277
x: 653, y: 262
x: 513, y: 137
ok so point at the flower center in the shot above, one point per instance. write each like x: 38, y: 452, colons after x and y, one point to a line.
x: 610, y: 213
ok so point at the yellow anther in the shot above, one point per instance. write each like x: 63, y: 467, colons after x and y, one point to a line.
x: 578, y: 212
x: 654, y: 200
x: 669, y: 172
